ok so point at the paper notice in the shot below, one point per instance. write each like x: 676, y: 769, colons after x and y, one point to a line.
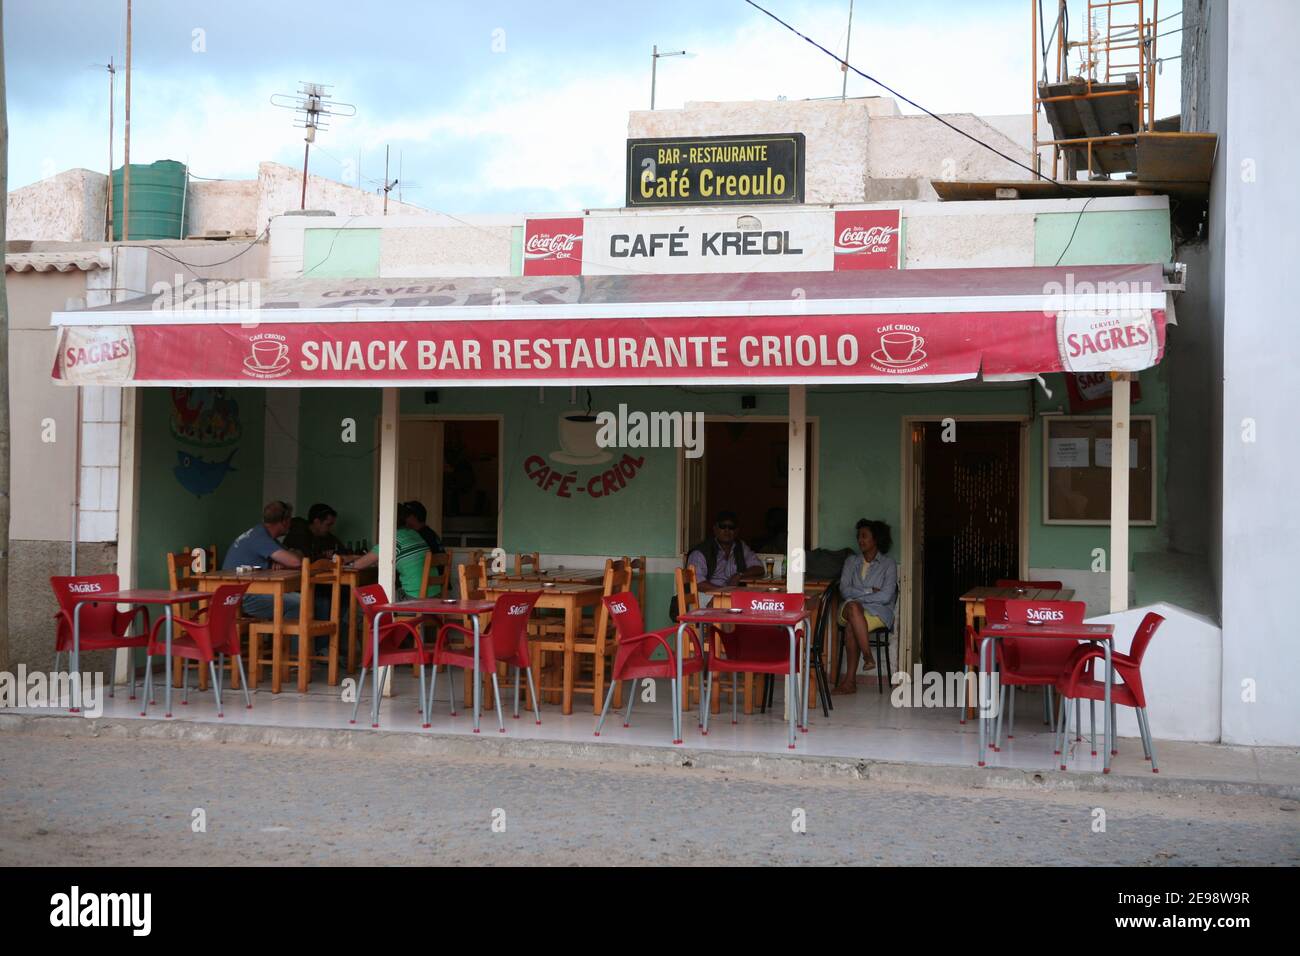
x: 1103, y: 453
x: 1067, y: 453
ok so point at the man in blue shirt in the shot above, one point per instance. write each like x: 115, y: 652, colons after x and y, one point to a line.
x: 258, y: 548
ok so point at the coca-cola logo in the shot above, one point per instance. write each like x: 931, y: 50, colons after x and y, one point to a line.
x: 83, y: 588
x: 547, y: 246
x: 553, y: 247
x: 855, y: 239
x: 867, y: 239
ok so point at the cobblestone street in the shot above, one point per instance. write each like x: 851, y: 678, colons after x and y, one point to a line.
x: 97, y: 801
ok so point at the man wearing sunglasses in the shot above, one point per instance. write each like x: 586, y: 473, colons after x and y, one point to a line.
x: 723, y: 560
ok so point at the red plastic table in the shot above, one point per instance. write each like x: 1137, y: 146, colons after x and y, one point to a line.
x: 789, y: 620
x: 435, y: 607
x: 1103, y: 633
x: 135, y: 597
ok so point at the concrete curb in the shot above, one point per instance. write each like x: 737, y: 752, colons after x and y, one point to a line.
x: 788, y: 768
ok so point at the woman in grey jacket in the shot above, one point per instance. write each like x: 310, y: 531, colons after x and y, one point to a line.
x: 868, y: 587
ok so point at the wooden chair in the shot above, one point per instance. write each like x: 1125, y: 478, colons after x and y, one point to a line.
x: 181, y: 576
x: 328, y: 572
x: 437, y: 574
x: 527, y: 564
x: 639, y: 567
x: 596, y: 641
x: 471, y: 578
x: 688, y: 599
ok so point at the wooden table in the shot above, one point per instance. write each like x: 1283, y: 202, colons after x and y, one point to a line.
x: 276, y: 582
x: 974, y: 598
x: 1103, y: 633
x: 554, y: 576
x: 135, y: 597
x: 569, y: 598
x: 352, y: 579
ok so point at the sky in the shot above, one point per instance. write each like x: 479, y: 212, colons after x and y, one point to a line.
x: 490, y: 106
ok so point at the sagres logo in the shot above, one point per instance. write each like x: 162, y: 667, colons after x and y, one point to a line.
x: 768, y: 606
x: 1044, y: 614
x: 75, y: 908
x: 517, y: 609
x: 55, y: 690
x: 619, y: 608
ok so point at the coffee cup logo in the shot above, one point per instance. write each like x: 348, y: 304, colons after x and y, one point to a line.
x: 268, y: 356
x: 902, y: 349
x: 577, y: 432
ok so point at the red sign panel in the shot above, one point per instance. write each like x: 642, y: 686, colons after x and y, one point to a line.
x: 881, y: 347
x: 553, y: 247
x: 866, y: 239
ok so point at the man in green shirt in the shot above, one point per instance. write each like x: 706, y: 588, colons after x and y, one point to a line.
x: 411, y: 550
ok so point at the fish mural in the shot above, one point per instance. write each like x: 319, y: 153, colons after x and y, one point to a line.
x: 199, y: 476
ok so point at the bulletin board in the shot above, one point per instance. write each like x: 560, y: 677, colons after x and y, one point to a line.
x: 1076, y: 469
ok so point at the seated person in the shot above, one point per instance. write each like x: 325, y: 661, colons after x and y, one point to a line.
x: 723, y: 560
x: 412, y: 514
x: 868, y: 586
x: 314, y: 537
x: 411, y: 550
x: 258, y: 548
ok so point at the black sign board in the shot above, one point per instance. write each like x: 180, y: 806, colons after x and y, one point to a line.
x: 715, y: 170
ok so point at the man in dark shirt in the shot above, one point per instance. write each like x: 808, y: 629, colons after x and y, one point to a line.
x: 412, y: 514
x: 314, y: 538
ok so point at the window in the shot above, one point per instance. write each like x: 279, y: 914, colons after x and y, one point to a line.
x: 1076, y: 469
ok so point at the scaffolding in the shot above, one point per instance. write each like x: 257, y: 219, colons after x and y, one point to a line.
x: 1099, y: 110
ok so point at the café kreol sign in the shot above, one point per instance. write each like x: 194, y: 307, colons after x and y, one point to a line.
x: 715, y: 170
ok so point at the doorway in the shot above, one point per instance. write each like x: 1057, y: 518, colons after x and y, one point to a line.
x: 745, y: 468
x: 967, y: 525
x: 453, y: 466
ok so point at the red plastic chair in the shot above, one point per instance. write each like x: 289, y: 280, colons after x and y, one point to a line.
x: 1078, y: 682
x: 633, y: 655
x: 203, y: 642
x: 753, y: 649
x: 504, y: 642
x: 1031, y: 663
x: 102, y: 626
x: 1044, y: 585
x: 393, y: 649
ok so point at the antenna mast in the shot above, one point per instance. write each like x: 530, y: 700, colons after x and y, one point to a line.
x: 316, y: 107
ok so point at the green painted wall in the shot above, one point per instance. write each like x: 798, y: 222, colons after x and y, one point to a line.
x: 338, y: 443
x: 336, y: 252
x: 172, y: 517
x: 1102, y: 238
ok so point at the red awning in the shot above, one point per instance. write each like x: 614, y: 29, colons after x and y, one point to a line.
x: 920, y: 325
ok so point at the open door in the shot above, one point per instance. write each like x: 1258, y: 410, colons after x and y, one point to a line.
x: 694, y: 482
x: 419, y: 470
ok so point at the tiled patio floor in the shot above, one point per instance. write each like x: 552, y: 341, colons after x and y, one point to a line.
x: 864, y: 726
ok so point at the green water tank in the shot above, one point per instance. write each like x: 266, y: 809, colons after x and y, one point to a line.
x: 157, y: 200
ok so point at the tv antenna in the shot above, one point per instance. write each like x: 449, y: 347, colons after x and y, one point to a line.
x: 316, y: 107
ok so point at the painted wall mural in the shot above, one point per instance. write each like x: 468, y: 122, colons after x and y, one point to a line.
x: 204, y: 418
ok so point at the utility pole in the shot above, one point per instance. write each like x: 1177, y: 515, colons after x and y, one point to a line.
x: 126, y: 159
x: 4, y: 372
x: 844, y: 67
x: 112, y: 95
